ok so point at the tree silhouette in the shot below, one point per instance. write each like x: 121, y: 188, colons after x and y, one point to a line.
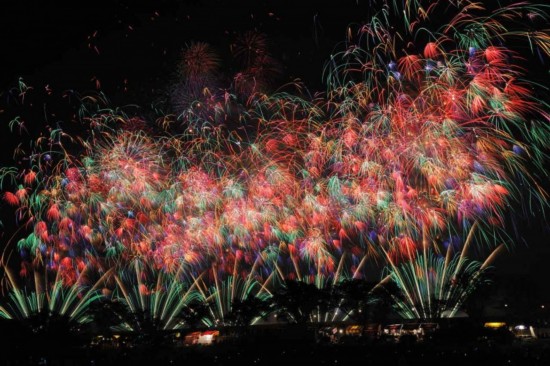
x: 296, y: 301
x: 385, y: 298
x: 193, y: 315
x: 106, y: 314
x: 244, y: 312
x: 355, y: 299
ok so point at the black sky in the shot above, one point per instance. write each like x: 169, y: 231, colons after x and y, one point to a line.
x: 40, y: 40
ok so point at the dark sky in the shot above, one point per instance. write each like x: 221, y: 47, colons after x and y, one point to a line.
x: 120, y: 44
x: 141, y: 42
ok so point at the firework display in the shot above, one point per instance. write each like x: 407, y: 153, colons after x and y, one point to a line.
x: 427, y: 136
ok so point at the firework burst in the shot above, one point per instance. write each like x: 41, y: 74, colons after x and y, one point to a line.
x: 423, y: 140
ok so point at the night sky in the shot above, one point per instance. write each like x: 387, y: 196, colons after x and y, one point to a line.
x: 120, y: 40
x: 130, y: 52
